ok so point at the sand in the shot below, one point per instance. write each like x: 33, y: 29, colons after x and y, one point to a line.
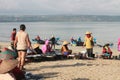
x: 76, y: 69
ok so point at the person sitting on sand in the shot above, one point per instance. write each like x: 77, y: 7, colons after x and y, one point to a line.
x: 37, y: 49
x: 65, y: 50
x: 79, y: 42
x: 73, y: 41
x: 53, y: 41
x: 106, y: 51
x: 46, y: 48
x: 79, y: 39
x: 38, y: 40
x: 37, y: 37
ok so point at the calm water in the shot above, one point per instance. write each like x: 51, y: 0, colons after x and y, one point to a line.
x: 103, y: 31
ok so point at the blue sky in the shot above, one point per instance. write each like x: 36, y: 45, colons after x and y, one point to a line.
x: 46, y: 7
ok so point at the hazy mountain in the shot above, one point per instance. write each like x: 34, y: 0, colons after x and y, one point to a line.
x: 59, y: 18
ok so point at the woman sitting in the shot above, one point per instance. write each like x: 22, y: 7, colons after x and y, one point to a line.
x: 38, y: 40
x: 37, y: 49
x: 65, y: 50
x: 46, y: 48
x: 107, y: 53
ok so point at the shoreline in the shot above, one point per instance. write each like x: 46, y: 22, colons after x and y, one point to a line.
x: 75, y: 49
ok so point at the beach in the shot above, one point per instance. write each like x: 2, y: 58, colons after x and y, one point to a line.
x: 75, y: 69
x: 98, y: 69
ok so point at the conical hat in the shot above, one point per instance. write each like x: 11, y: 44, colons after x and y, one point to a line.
x: 7, y: 65
x: 36, y: 45
x: 88, y: 32
x: 65, y: 43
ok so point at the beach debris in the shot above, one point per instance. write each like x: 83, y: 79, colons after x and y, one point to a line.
x: 30, y: 76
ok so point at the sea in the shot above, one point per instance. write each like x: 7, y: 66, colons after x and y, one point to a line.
x: 103, y: 32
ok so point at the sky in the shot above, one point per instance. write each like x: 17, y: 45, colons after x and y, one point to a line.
x: 57, y: 7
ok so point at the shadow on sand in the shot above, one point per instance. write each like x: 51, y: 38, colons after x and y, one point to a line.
x: 81, y: 79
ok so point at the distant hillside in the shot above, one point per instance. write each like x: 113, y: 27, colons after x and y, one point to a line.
x: 59, y: 18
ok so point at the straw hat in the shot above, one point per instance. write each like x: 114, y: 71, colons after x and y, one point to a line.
x: 36, y: 45
x: 88, y: 32
x: 65, y: 43
x: 52, y: 35
x: 7, y: 65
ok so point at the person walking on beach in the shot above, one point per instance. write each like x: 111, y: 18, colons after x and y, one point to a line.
x: 22, y: 43
x: 88, y: 43
x: 13, y: 34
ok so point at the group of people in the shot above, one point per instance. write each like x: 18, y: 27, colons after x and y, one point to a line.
x: 52, y: 40
x: 88, y: 43
x: 49, y: 44
x: 12, y: 62
x: 76, y: 42
x: 20, y: 42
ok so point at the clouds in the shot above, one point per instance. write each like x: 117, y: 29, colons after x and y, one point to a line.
x: 60, y: 6
x: 7, y: 4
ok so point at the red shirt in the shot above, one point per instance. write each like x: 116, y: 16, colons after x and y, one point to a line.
x: 13, y: 34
